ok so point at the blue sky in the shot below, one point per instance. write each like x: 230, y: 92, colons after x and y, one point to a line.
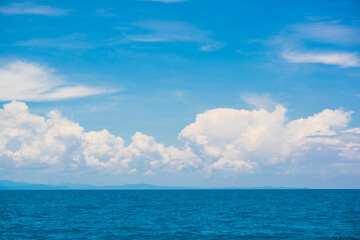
x: 252, y: 76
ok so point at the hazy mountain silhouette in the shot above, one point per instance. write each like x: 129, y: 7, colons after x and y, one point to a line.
x: 10, y: 185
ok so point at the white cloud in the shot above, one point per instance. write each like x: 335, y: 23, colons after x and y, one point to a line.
x: 168, y: 31
x: 75, y: 40
x: 210, y: 47
x: 31, y: 8
x: 327, y: 32
x: 259, y: 100
x: 30, y: 140
x: 33, y: 82
x: 342, y: 59
x: 334, y: 43
x: 219, y: 141
x: 173, y: 31
x: 103, y: 12
x: 350, y: 150
x: 242, y: 140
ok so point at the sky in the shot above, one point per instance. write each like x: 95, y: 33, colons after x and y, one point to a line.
x: 202, y: 93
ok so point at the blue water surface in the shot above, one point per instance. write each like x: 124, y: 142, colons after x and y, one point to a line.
x: 180, y: 214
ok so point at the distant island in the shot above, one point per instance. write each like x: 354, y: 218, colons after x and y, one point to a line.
x: 11, y: 185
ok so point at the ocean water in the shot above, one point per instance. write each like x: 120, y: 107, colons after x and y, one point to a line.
x: 180, y: 214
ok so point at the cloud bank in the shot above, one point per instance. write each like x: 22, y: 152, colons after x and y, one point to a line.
x: 33, y: 82
x: 219, y: 141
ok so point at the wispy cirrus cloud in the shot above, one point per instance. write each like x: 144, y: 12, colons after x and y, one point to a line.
x: 33, y: 82
x: 143, y: 32
x: 327, y: 32
x: 31, y: 8
x: 259, y: 100
x: 174, y: 31
x: 75, y: 40
x: 342, y: 59
x: 324, y: 42
x: 104, y: 12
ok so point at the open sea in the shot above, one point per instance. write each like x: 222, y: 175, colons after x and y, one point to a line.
x: 180, y: 214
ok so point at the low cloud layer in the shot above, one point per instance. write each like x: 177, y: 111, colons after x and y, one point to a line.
x: 219, y: 141
x: 33, y: 82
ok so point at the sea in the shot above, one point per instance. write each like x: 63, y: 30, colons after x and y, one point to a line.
x: 180, y: 214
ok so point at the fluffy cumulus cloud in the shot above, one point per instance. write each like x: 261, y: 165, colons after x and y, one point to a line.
x: 33, y: 82
x: 242, y: 140
x: 220, y: 140
x: 28, y: 140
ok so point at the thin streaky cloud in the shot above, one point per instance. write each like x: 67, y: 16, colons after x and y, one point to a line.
x: 169, y: 31
x: 72, y: 41
x: 210, y: 47
x: 103, y: 12
x: 331, y: 38
x: 259, y: 100
x: 31, y: 8
x: 342, y: 59
x: 174, y: 31
x: 327, y: 32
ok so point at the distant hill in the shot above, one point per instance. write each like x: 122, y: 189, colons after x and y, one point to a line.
x: 10, y: 185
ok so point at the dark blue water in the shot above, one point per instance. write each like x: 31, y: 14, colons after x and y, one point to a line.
x: 180, y: 214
